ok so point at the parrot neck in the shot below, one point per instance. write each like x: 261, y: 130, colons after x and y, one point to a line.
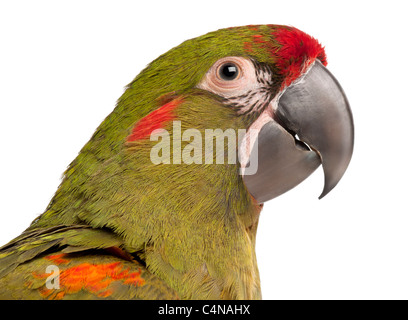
x: 197, y: 256
x: 189, y: 233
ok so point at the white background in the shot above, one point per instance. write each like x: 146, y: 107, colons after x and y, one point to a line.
x: 63, y: 65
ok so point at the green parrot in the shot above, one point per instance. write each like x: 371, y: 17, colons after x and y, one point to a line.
x: 157, y: 205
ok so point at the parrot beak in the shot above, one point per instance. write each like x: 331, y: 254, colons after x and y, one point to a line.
x: 314, y: 109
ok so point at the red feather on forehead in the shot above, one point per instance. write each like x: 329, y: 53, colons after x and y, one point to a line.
x: 296, y: 52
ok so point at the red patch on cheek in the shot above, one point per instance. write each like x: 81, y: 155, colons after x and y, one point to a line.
x: 154, y: 120
x: 296, y: 51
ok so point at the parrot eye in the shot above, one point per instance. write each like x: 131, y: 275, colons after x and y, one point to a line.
x: 230, y: 76
x: 228, y: 71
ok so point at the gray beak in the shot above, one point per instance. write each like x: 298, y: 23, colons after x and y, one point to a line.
x: 316, y: 111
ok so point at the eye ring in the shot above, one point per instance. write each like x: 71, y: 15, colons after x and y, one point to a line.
x: 228, y: 71
x: 235, y: 84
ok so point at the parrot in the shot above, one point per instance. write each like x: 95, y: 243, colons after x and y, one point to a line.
x: 148, y: 210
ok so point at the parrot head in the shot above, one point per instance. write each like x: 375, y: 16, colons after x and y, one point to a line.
x: 150, y: 174
x: 272, y: 79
